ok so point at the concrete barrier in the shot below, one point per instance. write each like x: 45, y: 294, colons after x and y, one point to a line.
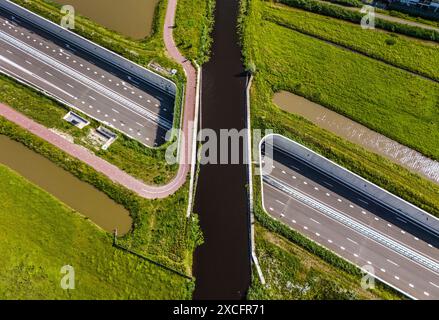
x: 406, y: 209
x: 102, y: 53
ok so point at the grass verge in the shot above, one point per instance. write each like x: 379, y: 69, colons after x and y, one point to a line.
x: 144, y: 163
x: 39, y: 235
x: 339, y: 12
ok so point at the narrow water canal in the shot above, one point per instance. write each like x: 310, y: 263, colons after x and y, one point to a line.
x: 222, y: 263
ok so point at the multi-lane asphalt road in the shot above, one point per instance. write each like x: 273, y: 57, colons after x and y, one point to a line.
x: 84, y: 82
x: 352, y: 225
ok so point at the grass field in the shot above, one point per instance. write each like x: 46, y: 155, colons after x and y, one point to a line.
x: 291, y: 273
x: 342, y: 80
x: 144, y: 163
x: 292, y: 61
x: 407, y: 53
x: 39, y: 235
x: 193, y: 24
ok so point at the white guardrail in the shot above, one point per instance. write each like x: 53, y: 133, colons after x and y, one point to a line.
x: 164, y: 123
x: 360, y: 228
x: 400, y: 206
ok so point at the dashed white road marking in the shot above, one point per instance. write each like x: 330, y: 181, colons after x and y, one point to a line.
x: 411, y: 285
x: 396, y: 277
x: 434, y: 284
x: 426, y: 293
x: 394, y: 263
x: 314, y: 220
x: 305, y: 227
x: 354, y: 242
x: 329, y: 240
x: 317, y: 234
x: 383, y: 270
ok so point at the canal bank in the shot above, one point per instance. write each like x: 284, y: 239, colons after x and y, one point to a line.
x: 222, y: 264
x: 79, y: 195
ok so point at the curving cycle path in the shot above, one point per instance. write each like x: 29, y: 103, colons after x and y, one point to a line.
x: 111, y: 171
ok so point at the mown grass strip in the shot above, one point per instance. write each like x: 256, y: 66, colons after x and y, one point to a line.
x: 388, y: 47
x: 338, y: 12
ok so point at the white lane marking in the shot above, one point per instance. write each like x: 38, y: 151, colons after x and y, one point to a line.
x: 48, y: 73
x: 354, y: 242
x: 114, y: 110
x: 304, y: 182
x: 363, y: 212
x: 426, y: 293
x: 28, y: 62
x: 271, y: 209
x: 396, y: 277
x: 376, y: 219
x: 140, y: 124
x: 315, y: 188
x: 305, y: 227
x: 411, y: 285
x: 394, y: 263
x: 68, y: 84
x: 327, y: 194
x: 283, y: 172
x: 351, y: 206
x: 293, y: 221
x: 355, y: 255
x: 342, y: 248
x: 383, y: 270
x: 317, y: 234
x: 402, y: 231
x: 92, y: 98
x: 368, y: 262
x: 434, y: 284
x: 280, y: 202
x: 90, y: 106
x: 8, y: 51
x: 339, y: 200
x: 282, y: 215
x: 416, y: 238
x: 294, y: 177
x: 329, y: 240
x: 389, y: 225
x: 314, y: 220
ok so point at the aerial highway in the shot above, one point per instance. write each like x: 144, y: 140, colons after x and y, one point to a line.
x: 353, y: 225
x: 82, y: 81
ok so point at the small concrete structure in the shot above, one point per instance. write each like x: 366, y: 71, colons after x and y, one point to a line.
x: 108, y: 135
x: 76, y: 120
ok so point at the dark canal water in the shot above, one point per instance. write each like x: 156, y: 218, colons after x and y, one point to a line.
x: 222, y: 263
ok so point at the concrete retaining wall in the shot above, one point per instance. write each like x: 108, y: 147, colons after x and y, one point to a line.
x: 406, y: 209
x: 72, y: 38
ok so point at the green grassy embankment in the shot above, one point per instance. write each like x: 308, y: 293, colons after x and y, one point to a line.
x: 365, y: 89
x: 39, y: 235
x: 193, y: 25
